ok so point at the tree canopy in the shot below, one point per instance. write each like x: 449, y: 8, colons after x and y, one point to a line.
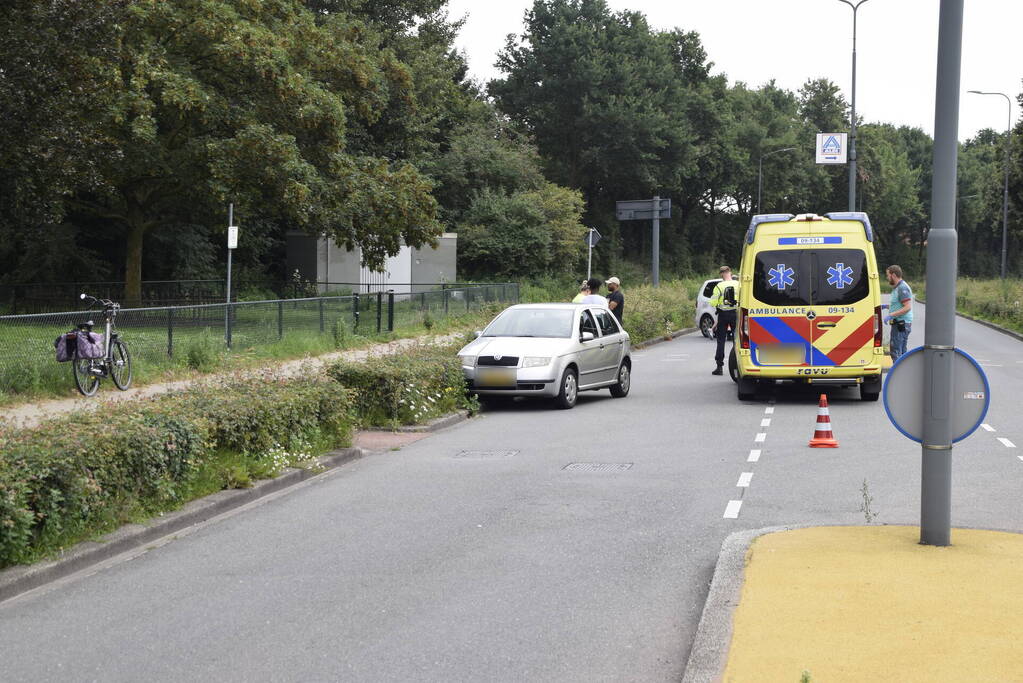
x: 129, y: 125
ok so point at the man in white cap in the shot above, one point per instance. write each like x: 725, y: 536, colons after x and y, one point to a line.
x: 615, y: 298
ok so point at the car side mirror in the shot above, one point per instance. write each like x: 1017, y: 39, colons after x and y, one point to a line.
x: 478, y: 333
x: 587, y: 336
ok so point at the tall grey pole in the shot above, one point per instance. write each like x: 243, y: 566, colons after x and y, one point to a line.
x: 657, y: 241
x: 227, y: 308
x: 852, y: 118
x: 1005, y: 191
x: 589, y: 259
x: 942, y: 246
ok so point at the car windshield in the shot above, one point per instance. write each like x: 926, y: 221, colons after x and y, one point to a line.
x: 532, y: 322
x: 805, y: 277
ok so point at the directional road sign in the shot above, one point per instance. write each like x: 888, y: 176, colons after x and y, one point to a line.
x: 592, y: 237
x: 642, y: 210
x: 903, y: 395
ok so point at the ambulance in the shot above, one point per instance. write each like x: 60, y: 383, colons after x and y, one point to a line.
x: 809, y: 304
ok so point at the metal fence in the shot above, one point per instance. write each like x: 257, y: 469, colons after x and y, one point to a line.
x: 156, y: 334
x: 48, y: 297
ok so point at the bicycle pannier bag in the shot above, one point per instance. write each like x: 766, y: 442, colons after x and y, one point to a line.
x: 90, y: 345
x: 65, y: 345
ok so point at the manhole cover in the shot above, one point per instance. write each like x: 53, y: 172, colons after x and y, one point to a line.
x: 598, y: 466
x: 485, y: 454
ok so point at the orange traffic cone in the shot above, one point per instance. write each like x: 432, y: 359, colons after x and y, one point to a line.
x: 822, y: 436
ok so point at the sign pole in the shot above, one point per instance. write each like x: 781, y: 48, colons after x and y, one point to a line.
x: 942, y: 246
x: 589, y: 258
x: 232, y: 242
x: 656, y: 248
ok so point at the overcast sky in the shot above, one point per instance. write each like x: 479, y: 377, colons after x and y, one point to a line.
x: 794, y: 40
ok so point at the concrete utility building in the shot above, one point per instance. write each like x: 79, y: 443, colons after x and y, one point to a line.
x: 319, y: 259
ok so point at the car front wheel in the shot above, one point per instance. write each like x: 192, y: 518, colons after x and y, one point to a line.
x: 569, y: 390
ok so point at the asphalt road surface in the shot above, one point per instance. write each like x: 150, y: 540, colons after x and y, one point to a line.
x: 474, y: 554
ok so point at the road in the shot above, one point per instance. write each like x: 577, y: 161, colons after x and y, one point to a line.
x: 475, y: 555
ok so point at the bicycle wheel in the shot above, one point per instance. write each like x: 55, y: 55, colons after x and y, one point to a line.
x: 120, y: 369
x: 85, y: 379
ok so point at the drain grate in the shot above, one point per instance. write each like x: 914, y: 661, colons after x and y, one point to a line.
x: 597, y: 466
x: 479, y: 455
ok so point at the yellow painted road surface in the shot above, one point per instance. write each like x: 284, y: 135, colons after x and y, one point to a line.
x: 872, y: 604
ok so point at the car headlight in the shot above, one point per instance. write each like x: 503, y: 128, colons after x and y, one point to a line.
x: 469, y: 361
x: 536, y: 361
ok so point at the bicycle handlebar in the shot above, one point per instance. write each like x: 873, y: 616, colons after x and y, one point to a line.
x: 108, y: 305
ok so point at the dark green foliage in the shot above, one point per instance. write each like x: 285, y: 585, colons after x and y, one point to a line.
x: 405, y: 388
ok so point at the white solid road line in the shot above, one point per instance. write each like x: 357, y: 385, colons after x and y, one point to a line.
x: 766, y: 422
x: 744, y: 479
x: 754, y: 455
x: 732, y: 511
x: 1006, y: 442
x: 760, y: 437
x: 987, y: 427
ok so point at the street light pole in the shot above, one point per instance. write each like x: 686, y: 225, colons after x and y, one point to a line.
x: 852, y: 118
x: 1005, y: 192
x: 760, y: 172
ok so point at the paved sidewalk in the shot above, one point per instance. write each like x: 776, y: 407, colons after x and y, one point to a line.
x: 863, y: 604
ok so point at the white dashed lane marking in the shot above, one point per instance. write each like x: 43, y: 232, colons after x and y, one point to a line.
x: 754, y: 455
x: 987, y: 427
x: 744, y: 479
x: 769, y: 410
x: 766, y: 422
x: 732, y: 510
x: 1006, y: 442
x: 760, y: 437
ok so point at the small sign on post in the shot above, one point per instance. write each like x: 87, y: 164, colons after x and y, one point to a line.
x: 831, y: 148
x: 592, y: 237
x: 232, y: 237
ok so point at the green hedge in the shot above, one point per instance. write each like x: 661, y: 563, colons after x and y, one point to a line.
x: 413, y: 386
x: 89, y: 472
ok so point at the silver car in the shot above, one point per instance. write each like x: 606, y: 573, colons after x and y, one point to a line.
x: 549, y: 350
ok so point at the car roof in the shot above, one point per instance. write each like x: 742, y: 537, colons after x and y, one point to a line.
x: 566, y: 305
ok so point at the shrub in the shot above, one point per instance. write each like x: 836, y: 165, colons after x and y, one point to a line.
x: 405, y: 388
x: 84, y: 473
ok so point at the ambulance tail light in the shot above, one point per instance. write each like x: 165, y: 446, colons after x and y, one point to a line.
x: 743, y: 328
x: 878, y: 327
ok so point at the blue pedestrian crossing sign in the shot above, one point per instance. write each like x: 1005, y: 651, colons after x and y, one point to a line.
x: 831, y: 148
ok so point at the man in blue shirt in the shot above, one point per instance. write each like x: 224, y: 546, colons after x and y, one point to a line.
x: 900, y: 311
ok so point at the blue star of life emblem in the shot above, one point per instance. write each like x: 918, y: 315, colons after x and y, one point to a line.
x: 781, y: 277
x: 839, y: 275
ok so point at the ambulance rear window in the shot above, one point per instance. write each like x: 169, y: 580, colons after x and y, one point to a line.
x: 840, y: 277
x: 805, y: 277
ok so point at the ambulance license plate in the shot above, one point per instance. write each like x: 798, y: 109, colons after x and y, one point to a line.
x: 781, y: 354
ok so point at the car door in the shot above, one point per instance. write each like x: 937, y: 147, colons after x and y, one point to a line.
x: 589, y: 353
x: 612, y: 345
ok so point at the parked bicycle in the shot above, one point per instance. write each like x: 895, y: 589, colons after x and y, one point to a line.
x: 94, y: 356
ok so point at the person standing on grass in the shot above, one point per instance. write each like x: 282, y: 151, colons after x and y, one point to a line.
x: 900, y: 311
x: 594, y: 297
x: 584, y: 291
x: 615, y: 298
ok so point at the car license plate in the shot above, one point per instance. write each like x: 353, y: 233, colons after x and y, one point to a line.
x: 496, y: 377
x: 781, y: 354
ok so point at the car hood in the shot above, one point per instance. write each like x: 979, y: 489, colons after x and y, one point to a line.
x: 518, y: 346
